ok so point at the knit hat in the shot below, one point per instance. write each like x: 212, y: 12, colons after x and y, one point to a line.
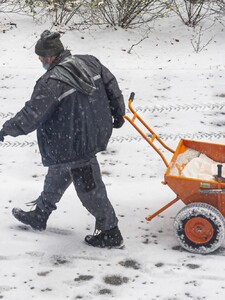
x: 49, y: 44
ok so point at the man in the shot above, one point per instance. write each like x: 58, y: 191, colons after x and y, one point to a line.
x: 74, y: 107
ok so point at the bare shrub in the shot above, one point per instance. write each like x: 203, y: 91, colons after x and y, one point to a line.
x: 57, y: 11
x: 192, y: 12
x: 16, y: 6
x: 121, y: 13
x: 125, y: 13
x: 198, y: 41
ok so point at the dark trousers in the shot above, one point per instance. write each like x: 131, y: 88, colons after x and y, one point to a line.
x: 87, y: 180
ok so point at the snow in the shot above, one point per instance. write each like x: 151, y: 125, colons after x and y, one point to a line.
x: 194, y: 164
x: 202, y: 167
x: 180, y: 94
x: 182, y: 161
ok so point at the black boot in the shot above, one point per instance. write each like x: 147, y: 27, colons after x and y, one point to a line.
x: 36, y: 218
x: 105, y: 239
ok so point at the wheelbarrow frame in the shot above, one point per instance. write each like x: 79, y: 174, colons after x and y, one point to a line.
x: 189, y: 190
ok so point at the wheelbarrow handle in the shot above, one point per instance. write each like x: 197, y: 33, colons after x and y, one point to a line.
x: 153, y: 136
x: 132, y: 94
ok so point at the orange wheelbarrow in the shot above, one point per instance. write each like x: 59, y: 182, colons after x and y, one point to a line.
x: 200, y: 225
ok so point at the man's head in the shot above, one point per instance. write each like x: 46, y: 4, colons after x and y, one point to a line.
x: 48, y: 47
x: 49, y: 44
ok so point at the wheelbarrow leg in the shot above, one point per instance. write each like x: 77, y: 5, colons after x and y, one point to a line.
x: 150, y: 217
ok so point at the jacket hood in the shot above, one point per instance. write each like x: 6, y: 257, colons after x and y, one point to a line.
x: 74, y: 72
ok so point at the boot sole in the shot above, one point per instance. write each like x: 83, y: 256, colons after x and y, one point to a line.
x: 121, y: 246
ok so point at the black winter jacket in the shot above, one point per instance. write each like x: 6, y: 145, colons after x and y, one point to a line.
x: 72, y: 108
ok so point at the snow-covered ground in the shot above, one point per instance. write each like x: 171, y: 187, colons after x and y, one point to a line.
x: 179, y: 93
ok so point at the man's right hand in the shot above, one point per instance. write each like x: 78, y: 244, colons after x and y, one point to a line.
x: 2, y: 134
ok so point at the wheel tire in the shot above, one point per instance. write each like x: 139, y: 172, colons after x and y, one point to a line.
x: 200, y: 228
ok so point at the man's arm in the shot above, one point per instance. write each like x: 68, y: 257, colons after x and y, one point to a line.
x: 113, y: 92
x: 33, y: 114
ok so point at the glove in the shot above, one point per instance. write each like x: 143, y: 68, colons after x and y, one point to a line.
x: 118, y: 122
x: 2, y: 134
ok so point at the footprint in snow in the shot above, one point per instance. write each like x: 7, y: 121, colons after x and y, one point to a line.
x: 115, y: 280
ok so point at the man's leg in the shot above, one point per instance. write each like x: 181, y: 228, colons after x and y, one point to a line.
x: 56, y: 182
x: 92, y: 193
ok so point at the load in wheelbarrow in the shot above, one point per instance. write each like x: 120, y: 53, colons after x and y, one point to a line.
x: 200, y: 225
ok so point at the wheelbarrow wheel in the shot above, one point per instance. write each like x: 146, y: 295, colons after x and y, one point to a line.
x: 200, y: 228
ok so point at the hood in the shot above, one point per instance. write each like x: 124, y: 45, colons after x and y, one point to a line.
x: 74, y: 72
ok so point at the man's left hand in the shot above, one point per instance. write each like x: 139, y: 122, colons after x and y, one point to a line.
x: 118, y: 122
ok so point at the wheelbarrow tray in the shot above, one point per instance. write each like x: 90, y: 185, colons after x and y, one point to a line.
x: 191, y: 190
